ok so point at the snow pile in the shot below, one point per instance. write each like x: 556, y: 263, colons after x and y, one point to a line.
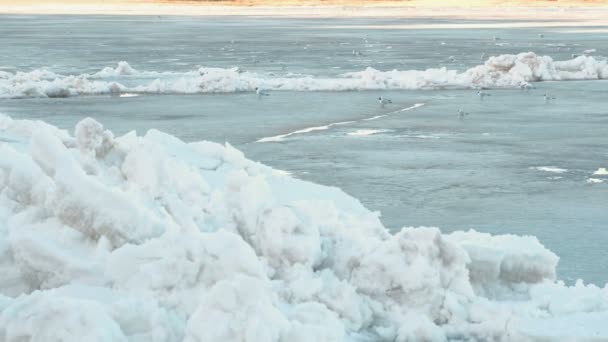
x: 504, y: 71
x: 148, y: 238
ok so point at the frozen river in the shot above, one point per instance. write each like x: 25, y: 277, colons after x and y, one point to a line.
x: 516, y: 164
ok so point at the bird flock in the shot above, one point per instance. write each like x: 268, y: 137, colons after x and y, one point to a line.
x: 481, y: 94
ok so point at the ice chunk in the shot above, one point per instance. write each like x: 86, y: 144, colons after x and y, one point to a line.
x: 602, y: 171
x: 92, y: 138
x: 149, y: 238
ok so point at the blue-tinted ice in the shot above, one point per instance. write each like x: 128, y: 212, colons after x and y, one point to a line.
x: 515, y: 164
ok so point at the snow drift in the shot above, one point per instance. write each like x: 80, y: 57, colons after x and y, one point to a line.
x: 504, y: 71
x: 148, y: 238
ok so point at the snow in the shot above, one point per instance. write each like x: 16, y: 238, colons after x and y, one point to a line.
x: 148, y: 238
x: 503, y: 71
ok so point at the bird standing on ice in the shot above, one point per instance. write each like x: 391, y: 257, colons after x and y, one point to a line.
x: 382, y: 101
x: 260, y: 92
x: 548, y: 97
x: 462, y: 113
x: 483, y: 94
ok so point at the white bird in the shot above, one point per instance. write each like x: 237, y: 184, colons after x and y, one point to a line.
x: 483, y: 94
x: 261, y: 92
x: 483, y: 56
x: 525, y: 86
x: 462, y: 113
x: 382, y: 101
x: 451, y: 58
x: 548, y: 98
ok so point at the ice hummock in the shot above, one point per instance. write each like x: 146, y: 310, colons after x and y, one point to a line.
x: 148, y: 238
x: 503, y: 71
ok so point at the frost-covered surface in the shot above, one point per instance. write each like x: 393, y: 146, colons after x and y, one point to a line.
x: 504, y: 71
x: 148, y: 238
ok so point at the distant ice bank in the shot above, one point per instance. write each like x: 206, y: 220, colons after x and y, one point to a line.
x: 503, y: 71
x: 148, y: 238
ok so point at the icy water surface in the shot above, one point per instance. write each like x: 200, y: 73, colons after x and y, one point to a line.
x: 516, y: 164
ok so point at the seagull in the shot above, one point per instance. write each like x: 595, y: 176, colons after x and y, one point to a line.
x: 540, y: 35
x: 451, y: 58
x: 548, y: 98
x: 261, y: 92
x: 356, y: 53
x: 382, y: 101
x: 483, y: 94
x: 525, y: 86
x: 462, y: 113
x: 483, y: 56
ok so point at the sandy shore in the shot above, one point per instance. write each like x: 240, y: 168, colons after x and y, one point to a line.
x: 562, y: 12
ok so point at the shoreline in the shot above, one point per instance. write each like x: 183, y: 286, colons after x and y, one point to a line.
x: 588, y: 13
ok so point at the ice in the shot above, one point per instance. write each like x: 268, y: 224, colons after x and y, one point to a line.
x: 602, y: 171
x: 303, y: 131
x: 366, y: 132
x: 149, y: 238
x: 123, y: 68
x: 503, y: 71
x: 551, y: 169
x: 281, y: 137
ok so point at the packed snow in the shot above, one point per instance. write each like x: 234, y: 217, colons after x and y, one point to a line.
x: 148, y: 238
x: 503, y: 71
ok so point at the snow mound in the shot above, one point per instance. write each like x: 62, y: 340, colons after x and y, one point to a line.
x: 148, y: 238
x: 503, y: 71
